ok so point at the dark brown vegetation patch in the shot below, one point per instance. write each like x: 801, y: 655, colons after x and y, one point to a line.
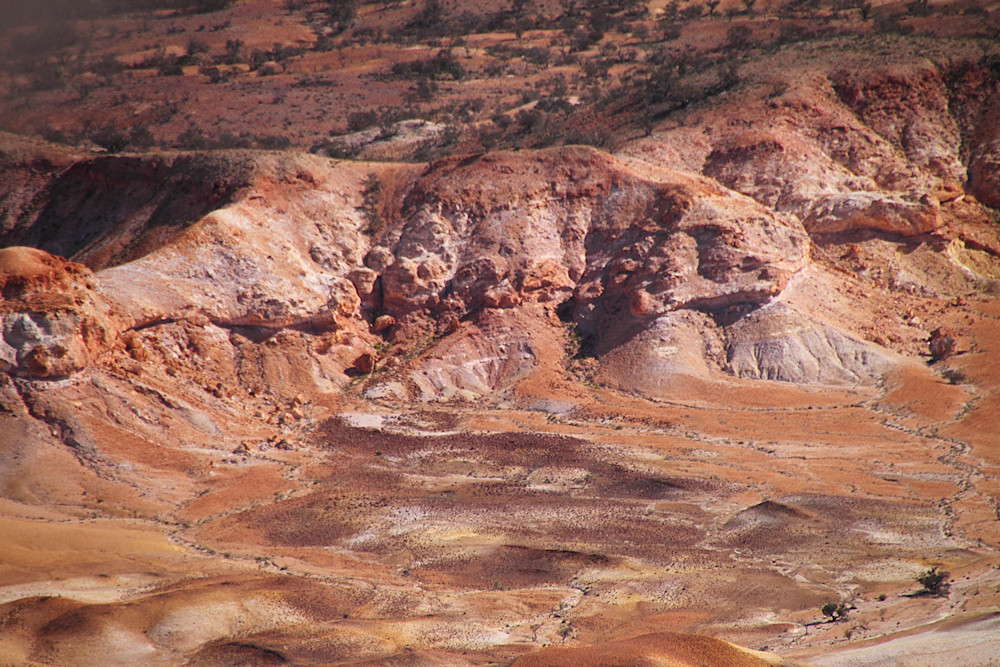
x: 510, y: 566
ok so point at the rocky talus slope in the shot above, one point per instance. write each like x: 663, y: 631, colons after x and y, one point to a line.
x: 244, y: 394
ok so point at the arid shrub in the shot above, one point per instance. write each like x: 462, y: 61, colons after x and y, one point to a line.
x: 192, y: 139
x: 213, y: 73
x: 428, y: 22
x: 361, y: 120
x: 170, y: 66
x: 230, y: 140
x: 953, y: 376
x: 272, y: 142
x: 934, y: 582
x: 340, y: 14
x: 196, y: 46
x: 201, y: 6
x: 835, y: 611
x: 424, y: 90
x: 54, y: 135
x: 740, y: 37
x: 48, y: 76
x: 442, y: 65
x: 140, y: 136
x: 108, y: 65
x: 110, y: 138
x: 234, y: 51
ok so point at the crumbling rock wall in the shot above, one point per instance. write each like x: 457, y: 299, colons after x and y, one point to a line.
x: 674, y: 255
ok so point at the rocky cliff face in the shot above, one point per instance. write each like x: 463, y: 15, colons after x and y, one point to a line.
x: 607, y: 246
x: 612, y: 246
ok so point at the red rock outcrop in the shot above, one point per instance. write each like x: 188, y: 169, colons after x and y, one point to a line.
x: 857, y: 146
x: 874, y: 211
x: 504, y: 229
x: 984, y: 172
x: 907, y: 104
x: 53, y: 319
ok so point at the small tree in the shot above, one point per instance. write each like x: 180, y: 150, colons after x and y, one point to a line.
x: 340, y: 14
x: 836, y: 611
x: 739, y: 37
x: 234, y: 51
x: 140, y: 136
x: 110, y: 138
x: 934, y: 582
x: 953, y: 376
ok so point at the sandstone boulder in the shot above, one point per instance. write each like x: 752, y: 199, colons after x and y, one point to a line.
x: 383, y: 322
x: 941, y: 344
x: 364, y: 363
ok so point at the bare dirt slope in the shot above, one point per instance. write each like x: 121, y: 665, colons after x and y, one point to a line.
x: 648, y: 402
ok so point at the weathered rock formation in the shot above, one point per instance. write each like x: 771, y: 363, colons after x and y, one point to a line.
x: 53, y: 319
x: 674, y: 257
x: 575, y: 225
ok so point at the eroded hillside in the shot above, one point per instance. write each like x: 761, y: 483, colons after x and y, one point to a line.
x: 273, y: 407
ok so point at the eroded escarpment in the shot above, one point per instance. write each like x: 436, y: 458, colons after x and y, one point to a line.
x: 519, y: 244
x: 858, y: 178
x: 845, y: 182
x: 568, y: 230
x: 108, y: 210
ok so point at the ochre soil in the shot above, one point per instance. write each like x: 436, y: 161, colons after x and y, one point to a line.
x: 467, y: 535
